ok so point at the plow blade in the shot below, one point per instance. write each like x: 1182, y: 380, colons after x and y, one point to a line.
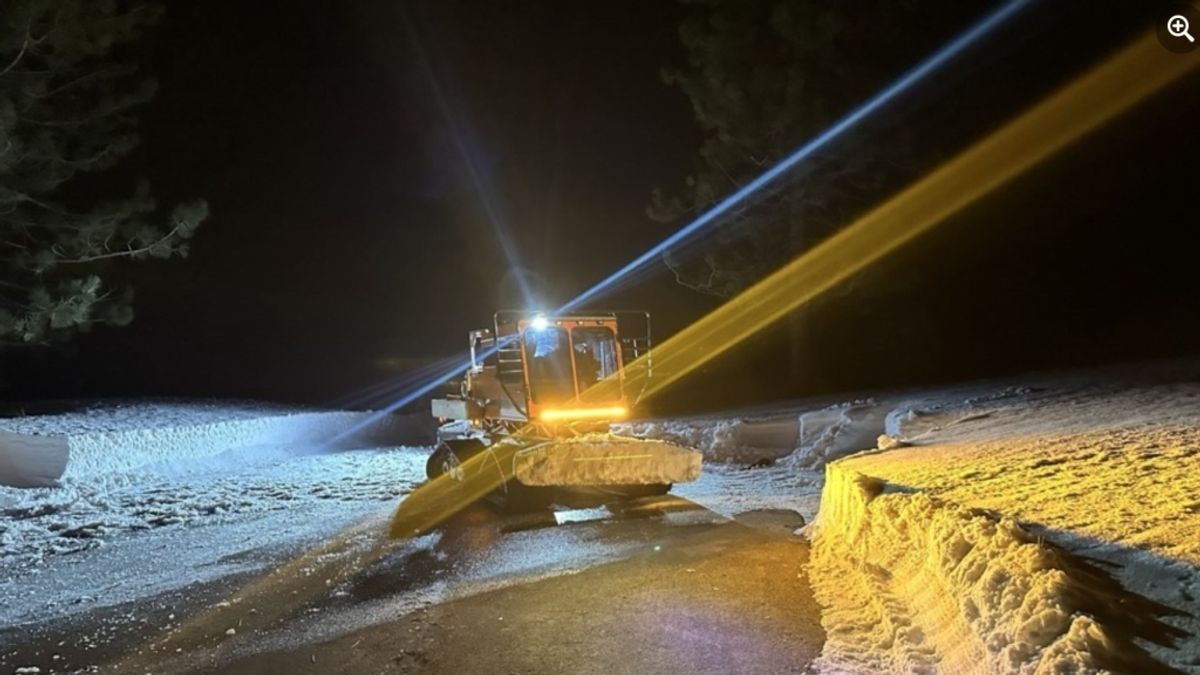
x: 605, y: 460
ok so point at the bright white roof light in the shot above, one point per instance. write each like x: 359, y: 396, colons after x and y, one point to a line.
x: 539, y: 322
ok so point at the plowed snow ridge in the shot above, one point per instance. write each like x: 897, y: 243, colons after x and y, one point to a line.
x: 38, y: 451
x: 1026, y: 531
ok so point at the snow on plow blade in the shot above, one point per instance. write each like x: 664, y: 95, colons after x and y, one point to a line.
x: 605, y: 460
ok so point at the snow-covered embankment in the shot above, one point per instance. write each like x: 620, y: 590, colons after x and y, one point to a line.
x: 786, y: 450
x: 40, y: 452
x: 152, y: 468
x: 911, y: 582
x: 804, y: 439
x: 1028, y: 533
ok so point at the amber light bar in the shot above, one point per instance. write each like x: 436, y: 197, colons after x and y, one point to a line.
x: 553, y: 414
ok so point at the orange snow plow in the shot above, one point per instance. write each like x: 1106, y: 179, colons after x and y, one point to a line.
x: 530, y: 413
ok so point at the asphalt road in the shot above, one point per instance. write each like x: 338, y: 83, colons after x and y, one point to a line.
x: 662, y: 586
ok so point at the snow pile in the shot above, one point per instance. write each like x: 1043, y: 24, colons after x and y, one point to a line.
x: 977, y: 548
x: 731, y: 490
x: 83, y: 445
x: 72, y: 419
x: 719, y: 440
x: 605, y: 459
x: 921, y: 416
x: 803, y: 440
x: 240, y: 486
x: 914, y: 584
x: 115, y: 469
x: 837, y: 431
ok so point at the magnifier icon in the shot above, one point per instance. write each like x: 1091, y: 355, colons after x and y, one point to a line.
x: 1178, y: 26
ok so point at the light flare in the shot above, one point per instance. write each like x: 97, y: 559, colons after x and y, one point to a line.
x: 471, y: 162
x: 639, y: 265
x: 1137, y: 71
x: 910, y: 79
x: 610, y: 412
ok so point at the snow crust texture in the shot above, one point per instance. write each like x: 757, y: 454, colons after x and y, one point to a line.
x: 914, y: 584
x: 606, y: 459
x: 39, y: 451
x: 803, y: 440
x: 1025, y: 530
x: 276, y: 487
x: 143, y: 467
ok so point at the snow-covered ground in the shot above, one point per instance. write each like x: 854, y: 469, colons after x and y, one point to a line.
x: 160, y: 465
x: 133, y: 529
x: 94, y: 442
x: 801, y: 438
x: 85, y: 571
x: 729, y: 489
x: 101, y: 417
x: 135, y: 546
x: 770, y: 460
x: 40, y: 523
x: 1046, y: 527
x: 1043, y: 525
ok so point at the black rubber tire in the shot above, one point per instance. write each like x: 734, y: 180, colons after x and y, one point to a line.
x: 451, y: 453
x: 434, y: 466
x: 637, y: 491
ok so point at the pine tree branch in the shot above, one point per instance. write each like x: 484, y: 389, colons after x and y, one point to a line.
x: 130, y: 252
x: 27, y: 198
x: 72, y: 99
x: 25, y: 44
x: 71, y: 83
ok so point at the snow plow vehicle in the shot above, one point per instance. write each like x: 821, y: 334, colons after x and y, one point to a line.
x: 535, y: 407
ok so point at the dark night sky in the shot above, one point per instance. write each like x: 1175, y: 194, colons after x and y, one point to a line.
x: 347, y: 240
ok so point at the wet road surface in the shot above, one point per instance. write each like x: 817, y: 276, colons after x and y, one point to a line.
x: 667, y: 587
x: 660, y: 585
x: 699, y: 598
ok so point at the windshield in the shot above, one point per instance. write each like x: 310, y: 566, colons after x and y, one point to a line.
x: 595, y: 355
x: 548, y: 359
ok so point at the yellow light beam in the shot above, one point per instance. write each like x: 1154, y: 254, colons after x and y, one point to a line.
x: 436, y: 500
x: 607, y: 412
x: 1106, y: 91
x: 1135, y: 72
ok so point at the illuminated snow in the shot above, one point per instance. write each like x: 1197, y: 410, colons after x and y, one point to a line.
x: 104, y: 439
x: 1028, y: 530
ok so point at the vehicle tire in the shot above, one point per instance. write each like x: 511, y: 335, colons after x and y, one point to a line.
x: 448, y: 457
x: 655, y: 490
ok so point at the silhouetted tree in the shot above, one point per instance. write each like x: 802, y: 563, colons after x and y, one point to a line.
x: 764, y: 77
x: 67, y: 108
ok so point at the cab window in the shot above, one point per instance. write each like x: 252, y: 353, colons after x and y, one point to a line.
x: 595, y: 350
x: 548, y: 359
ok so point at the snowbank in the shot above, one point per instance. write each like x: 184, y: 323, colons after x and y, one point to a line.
x: 71, y: 549
x: 31, y: 461
x: 43, y: 450
x: 137, y: 467
x: 837, y: 431
x: 1048, y: 529
x: 806, y: 439
x: 914, y: 584
x: 719, y: 440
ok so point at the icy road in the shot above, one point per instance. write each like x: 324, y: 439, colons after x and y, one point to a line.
x: 1043, y: 524
x: 273, y: 561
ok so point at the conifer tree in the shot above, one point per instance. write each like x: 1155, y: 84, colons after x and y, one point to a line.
x: 764, y: 78
x: 69, y: 96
